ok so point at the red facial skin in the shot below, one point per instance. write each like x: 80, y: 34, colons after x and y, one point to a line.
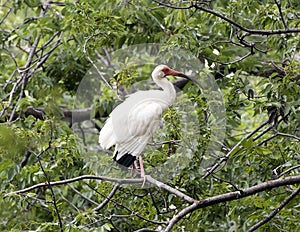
x: 171, y: 72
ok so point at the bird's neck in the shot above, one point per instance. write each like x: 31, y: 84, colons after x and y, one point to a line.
x: 168, y: 89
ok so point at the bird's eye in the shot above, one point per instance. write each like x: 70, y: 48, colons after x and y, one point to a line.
x: 161, y: 74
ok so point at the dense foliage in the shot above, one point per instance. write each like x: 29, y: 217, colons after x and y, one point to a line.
x: 251, y: 49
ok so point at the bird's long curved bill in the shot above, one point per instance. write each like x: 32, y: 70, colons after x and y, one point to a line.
x: 180, y: 74
x: 189, y: 78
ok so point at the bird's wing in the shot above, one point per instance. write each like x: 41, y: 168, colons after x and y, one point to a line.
x: 143, y: 118
x: 107, y: 137
x: 132, y: 123
x: 141, y: 123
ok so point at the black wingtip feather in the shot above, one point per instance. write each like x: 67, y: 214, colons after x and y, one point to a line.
x: 126, y: 160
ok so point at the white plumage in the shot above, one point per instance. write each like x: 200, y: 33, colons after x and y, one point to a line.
x: 132, y: 123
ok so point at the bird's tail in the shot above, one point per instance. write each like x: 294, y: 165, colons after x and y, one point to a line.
x: 125, y: 160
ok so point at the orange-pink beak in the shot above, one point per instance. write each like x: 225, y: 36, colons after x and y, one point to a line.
x: 171, y: 72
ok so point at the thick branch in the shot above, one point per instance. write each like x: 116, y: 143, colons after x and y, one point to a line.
x: 170, y: 189
x: 232, y: 196
x: 275, y: 211
x: 200, y: 204
x: 79, y: 178
x: 195, y: 204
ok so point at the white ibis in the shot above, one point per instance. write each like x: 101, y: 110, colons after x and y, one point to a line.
x: 132, y: 123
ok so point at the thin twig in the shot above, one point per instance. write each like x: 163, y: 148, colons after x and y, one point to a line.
x: 278, y: 4
x: 25, y: 75
x: 146, y: 230
x: 132, y: 213
x: 80, y: 194
x: 49, y: 185
x: 287, y: 135
x: 266, y: 140
x: 288, y: 170
x: 263, y: 132
x: 276, y: 134
x: 92, y: 62
x: 238, y: 60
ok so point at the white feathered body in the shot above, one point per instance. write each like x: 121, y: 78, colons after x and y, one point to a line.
x: 132, y: 123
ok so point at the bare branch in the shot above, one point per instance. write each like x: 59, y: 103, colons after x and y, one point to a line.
x: 287, y: 135
x: 275, y: 211
x: 233, y: 150
x: 49, y: 185
x: 170, y: 189
x: 278, y: 4
x: 231, y: 21
x: 108, y: 198
x: 233, y: 196
x: 79, y: 178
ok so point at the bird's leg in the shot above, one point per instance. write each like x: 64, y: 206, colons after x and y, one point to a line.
x: 142, y: 169
x: 135, y: 168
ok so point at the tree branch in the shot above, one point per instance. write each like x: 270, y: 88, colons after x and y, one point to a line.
x: 278, y: 4
x: 288, y: 170
x: 79, y: 178
x: 48, y: 182
x: 233, y: 150
x: 250, y: 31
x: 195, y: 204
x: 231, y: 21
x: 112, y: 193
x: 275, y: 211
x: 232, y: 196
x: 287, y: 135
x: 170, y: 189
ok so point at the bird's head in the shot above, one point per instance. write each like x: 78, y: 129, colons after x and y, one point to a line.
x: 163, y: 70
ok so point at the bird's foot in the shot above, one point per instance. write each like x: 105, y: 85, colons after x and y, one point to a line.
x: 144, y: 180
